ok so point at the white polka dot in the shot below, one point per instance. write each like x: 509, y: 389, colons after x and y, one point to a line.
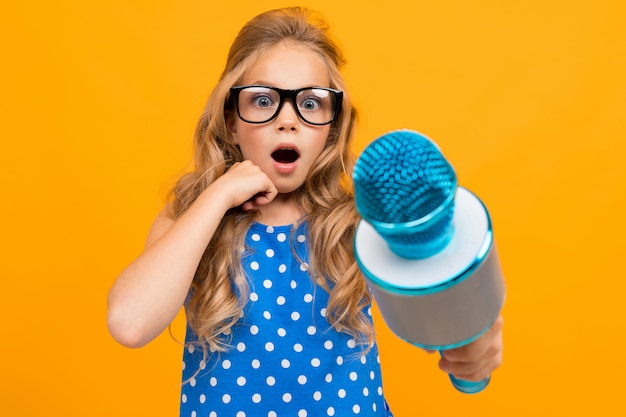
x: 329, y: 378
x: 377, y: 358
x: 302, y: 380
x: 330, y: 411
x: 315, y: 362
x: 369, y: 311
x: 301, y: 238
x: 298, y: 347
x: 339, y: 360
x: 270, y: 229
x: 191, y: 349
x: 269, y: 346
x: 192, y: 382
x: 363, y: 359
x: 341, y: 393
x: 213, y: 381
x: 254, y: 265
x: 302, y: 413
x: 240, y: 414
x: 372, y: 375
x: 328, y: 345
x: 380, y: 390
x: 202, y: 398
x: 202, y: 364
x: 304, y: 267
x: 285, y: 363
x: 183, y: 399
x: 293, y: 284
x: 366, y: 392
x: 351, y: 343
x: 226, y: 364
x: 311, y: 330
x: 282, y: 268
x: 241, y: 381
x: 281, y: 332
x: 254, y: 329
x: 295, y: 316
x: 280, y: 300
x: 225, y: 398
x: 184, y: 365
x: 374, y: 407
x: 272, y: 414
x: 281, y: 237
x: 254, y: 296
x: 256, y: 398
x: 270, y: 380
x: 286, y: 397
x: 269, y: 253
x: 256, y: 364
x: 267, y: 315
x: 323, y: 312
x: 353, y: 376
x: 308, y: 298
x: 356, y: 409
x: 241, y: 346
x: 267, y: 283
x: 317, y: 395
x: 256, y: 237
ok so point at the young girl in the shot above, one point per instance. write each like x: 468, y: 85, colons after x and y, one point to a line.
x: 256, y: 244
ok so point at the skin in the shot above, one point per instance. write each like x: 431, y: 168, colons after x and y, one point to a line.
x: 150, y: 292
x: 285, y: 66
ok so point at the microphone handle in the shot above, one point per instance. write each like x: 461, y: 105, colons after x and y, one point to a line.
x: 468, y: 387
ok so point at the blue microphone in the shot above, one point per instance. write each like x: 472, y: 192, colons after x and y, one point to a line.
x: 425, y: 246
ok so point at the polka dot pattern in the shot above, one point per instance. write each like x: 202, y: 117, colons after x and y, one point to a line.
x: 285, y: 358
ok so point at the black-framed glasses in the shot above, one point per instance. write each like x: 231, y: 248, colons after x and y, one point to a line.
x: 261, y: 103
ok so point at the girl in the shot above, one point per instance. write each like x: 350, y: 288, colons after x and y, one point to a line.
x: 256, y: 244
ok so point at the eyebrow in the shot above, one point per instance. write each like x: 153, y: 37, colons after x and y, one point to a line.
x: 268, y: 84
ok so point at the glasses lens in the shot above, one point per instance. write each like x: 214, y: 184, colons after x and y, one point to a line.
x: 258, y: 104
x: 316, y: 105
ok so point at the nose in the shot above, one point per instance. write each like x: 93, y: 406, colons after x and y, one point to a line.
x: 287, y: 118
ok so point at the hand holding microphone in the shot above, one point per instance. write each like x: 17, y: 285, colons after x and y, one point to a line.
x: 426, y: 246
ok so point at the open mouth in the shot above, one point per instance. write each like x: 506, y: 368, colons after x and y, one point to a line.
x: 285, y: 155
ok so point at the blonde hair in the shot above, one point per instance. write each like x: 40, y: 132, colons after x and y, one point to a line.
x: 219, y: 290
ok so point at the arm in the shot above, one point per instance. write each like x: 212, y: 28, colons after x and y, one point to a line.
x: 149, y: 293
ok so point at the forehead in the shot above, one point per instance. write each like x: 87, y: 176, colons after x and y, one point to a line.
x: 288, y: 65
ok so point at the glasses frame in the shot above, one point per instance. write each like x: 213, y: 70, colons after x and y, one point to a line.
x: 284, y: 94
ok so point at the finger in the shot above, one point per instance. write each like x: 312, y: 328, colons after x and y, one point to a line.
x: 261, y: 199
x: 473, y: 371
x: 487, y: 344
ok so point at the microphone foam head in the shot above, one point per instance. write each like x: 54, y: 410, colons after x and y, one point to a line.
x: 405, y: 188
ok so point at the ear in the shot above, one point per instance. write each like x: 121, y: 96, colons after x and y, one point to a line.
x: 231, y: 125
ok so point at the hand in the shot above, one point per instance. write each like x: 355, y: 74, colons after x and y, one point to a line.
x: 477, y: 360
x: 248, y: 186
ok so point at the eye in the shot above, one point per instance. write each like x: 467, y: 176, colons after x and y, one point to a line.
x: 262, y: 101
x: 310, y: 104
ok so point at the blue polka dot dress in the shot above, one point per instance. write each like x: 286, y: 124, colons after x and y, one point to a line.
x: 286, y: 360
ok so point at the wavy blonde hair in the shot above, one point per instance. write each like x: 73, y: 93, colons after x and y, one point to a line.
x: 220, y: 291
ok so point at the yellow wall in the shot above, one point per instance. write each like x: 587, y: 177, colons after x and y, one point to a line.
x: 527, y: 99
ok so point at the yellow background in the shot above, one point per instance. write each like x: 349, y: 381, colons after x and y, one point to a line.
x: 527, y: 100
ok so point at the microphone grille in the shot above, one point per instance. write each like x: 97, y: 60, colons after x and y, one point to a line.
x: 405, y: 188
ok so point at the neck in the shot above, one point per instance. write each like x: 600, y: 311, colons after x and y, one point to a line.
x: 283, y: 210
